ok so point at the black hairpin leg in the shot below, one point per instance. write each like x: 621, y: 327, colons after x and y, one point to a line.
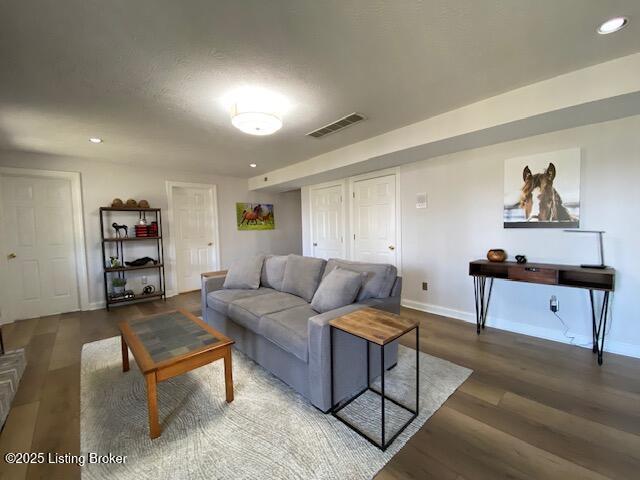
x: 599, y: 323
x: 482, y: 298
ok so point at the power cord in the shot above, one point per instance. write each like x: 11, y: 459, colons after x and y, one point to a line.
x: 572, y: 338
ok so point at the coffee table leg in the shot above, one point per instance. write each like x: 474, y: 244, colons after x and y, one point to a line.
x: 228, y: 375
x: 152, y: 401
x: 125, y: 354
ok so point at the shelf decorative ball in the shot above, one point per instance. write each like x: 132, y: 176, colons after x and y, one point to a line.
x: 496, y: 255
x: 143, y: 204
x: 131, y: 203
x: 117, y: 203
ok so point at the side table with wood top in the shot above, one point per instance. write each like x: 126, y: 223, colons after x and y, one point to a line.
x: 376, y: 327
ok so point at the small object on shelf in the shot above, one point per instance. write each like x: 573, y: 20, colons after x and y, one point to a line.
x: 153, y: 229
x: 129, y: 294
x: 140, y: 262
x: 496, y: 255
x: 521, y: 259
x: 143, y: 204
x: 114, y: 262
x: 131, y: 203
x: 142, y: 231
x: 117, y: 203
x: 118, y: 284
x: 143, y: 219
x: 148, y: 290
x: 117, y: 228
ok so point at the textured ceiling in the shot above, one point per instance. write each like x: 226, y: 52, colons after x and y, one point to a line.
x: 147, y: 75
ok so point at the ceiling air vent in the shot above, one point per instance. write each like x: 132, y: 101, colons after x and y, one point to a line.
x: 343, y: 122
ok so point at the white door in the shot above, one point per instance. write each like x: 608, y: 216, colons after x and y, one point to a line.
x: 194, y: 235
x: 327, y: 225
x: 39, y: 246
x: 374, y: 222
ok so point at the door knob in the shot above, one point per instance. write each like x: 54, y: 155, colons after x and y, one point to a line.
x: 315, y: 244
x: 210, y: 244
x: 391, y: 247
x: 11, y: 256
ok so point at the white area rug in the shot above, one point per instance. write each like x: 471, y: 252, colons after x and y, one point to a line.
x: 268, y: 431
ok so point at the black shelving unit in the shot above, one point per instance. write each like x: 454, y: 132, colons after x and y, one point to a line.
x: 120, y: 242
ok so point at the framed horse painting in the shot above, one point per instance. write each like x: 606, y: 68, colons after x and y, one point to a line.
x: 543, y: 190
x: 255, y: 216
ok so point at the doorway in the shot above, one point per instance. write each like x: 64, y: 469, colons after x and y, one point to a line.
x: 193, y: 223
x: 43, y: 260
x: 327, y: 222
x: 375, y: 215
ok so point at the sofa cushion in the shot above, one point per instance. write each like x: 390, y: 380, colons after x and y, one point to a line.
x: 273, y: 271
x: 247, y: 311
x: 245, y: 272
x: 302, y: 276
x: 288, y: 329
x: 379, y: 280
x: 337, y: 289
x: 219, y: 300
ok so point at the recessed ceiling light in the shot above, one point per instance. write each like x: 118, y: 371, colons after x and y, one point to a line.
x: 613, y: 25
x: 253, y: 165
x: 95, y: 140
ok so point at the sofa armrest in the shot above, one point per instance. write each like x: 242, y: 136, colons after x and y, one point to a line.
x: 209, y: 284
x: 319, y: 354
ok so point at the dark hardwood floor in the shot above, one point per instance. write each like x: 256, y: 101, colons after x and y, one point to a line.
x: 531, y: 409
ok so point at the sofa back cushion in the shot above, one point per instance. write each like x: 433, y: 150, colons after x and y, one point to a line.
x: 378, y: 281
x: 302, y: 276
x: 245, y: 272
x: 273, y: 271
x: 338, y: 288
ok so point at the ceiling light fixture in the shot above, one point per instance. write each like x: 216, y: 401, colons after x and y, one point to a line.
x: 613, y: 25
x: 256, y: 111
x: 253, y: 165
x: 95, y: 140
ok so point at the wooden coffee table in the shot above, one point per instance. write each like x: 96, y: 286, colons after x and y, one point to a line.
x: 171, y: 344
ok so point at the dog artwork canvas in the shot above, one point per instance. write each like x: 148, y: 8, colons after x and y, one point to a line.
x: 543, y: 190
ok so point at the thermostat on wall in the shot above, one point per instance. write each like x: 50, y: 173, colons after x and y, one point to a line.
x: 421, y: 200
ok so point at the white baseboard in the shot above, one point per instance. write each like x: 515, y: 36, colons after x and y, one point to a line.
x: 621, y: 348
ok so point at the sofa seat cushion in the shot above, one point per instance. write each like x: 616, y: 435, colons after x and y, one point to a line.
x: 220, y: 300
x: 288, y: 329
x: 302, y: 275
x: 247, y: 311
x: 379, y: 277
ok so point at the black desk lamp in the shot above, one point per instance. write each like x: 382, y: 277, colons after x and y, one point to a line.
x: 599, y: 232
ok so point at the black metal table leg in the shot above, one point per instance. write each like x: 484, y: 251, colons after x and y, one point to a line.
x: 599, y: 323
x: 482, y: 299
x: 382, y: 370
x: 335, y: 408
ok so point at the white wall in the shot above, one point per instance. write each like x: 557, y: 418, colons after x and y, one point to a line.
x: 464, y: 219
x: 103, y: 181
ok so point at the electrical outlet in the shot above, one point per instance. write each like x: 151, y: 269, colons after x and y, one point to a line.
x: 425, y: 286
x: 554, y: 304
x: 144, y: 280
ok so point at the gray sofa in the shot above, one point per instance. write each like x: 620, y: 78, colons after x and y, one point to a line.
x: 281, y: 331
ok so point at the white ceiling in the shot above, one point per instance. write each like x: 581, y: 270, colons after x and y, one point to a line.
x: 147, y: 75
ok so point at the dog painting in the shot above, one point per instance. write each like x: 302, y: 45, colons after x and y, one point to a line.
x: 543, y: 191
x: 255, y: 216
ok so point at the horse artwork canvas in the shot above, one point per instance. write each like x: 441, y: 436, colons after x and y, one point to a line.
x: 255, y: 216
x: 543, y: 190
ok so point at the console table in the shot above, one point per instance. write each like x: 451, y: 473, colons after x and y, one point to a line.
x: 592, y: 279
